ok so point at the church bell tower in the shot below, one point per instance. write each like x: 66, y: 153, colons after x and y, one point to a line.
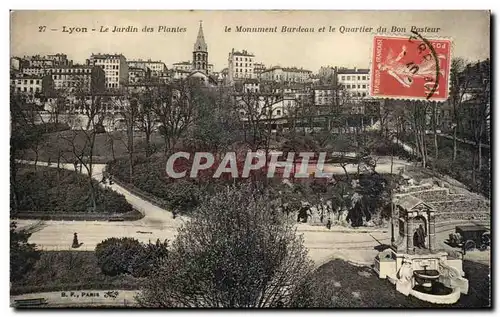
x: 200, y: 52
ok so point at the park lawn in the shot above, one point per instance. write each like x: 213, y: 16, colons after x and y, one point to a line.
x: 68, y: 271
x: 107, y: 147
x: 339, y: 284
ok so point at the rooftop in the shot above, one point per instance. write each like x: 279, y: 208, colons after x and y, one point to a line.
x: 353, y: 71
x: 288, y: 69
x: 72, y: 66
x: 136, y: 69
x: 242, y: 53
x: 145, y: 61
x: 99, y: 55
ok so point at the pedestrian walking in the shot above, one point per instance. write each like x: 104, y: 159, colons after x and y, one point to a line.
x: 75, y: 244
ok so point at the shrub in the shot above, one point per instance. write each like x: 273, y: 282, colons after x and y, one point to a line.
x: 117, y: 256
x: 23, y: 255
x: 114, y: 255
x: 69, y: 271
x: 52, y: 190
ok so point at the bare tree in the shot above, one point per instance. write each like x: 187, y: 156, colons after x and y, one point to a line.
x: 59, y: 104
x: 255, y: 112
x: 146, y: 117
x: 479, y: 104
x: 417, y: 116
x: 460, y: 84
x: 127, y: 113
x: 338, y: 100
x: 174, y: 107
x: 434, y: 119
x: 88, y: 113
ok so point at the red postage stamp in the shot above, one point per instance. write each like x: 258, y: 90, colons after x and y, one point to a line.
x: 410, y: 67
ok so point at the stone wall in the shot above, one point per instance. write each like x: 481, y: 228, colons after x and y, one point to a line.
x: 461, y: 205
x: 450, y: 206
x: 434, y: 194
x: 467, y: 215
x: 415, y: 188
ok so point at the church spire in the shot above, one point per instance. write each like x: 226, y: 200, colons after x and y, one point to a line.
x: 200, y: 45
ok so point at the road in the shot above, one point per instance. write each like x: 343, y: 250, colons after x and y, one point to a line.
x: 355, y: 245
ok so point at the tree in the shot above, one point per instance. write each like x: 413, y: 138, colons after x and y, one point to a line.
x: 128, y: 114
x: 417, y: 116
x: 479, y: 105
x: 23, y: 255
x: 145, y: 117
x: 25, y: 134
x: 337, y: 101
x: 88, y: 113
x: 256, y: 114
x: 215, y: 127
x: 459, y: 85
x: 59, y: 104
x: 236, y: 251
x: 174, y: 107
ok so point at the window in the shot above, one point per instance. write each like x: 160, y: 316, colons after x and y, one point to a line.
x: 359, y: 77
x: 278, y: 112
x: 31, y: 81
x: 348, y: 77
x: 348, y: 86
x: 364, y: 86
x: 343, y: 77
x: 359, y: 86
x: 364, y: 77
x: 246, y: 65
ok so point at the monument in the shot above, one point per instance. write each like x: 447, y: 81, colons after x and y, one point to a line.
x: 414, y: 263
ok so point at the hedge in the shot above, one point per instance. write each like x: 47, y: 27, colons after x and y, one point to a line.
x: 62, y: 191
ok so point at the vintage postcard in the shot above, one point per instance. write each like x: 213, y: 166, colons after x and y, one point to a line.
x: 250, y: 159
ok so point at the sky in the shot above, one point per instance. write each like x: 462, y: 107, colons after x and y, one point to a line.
x: 469, y: 30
